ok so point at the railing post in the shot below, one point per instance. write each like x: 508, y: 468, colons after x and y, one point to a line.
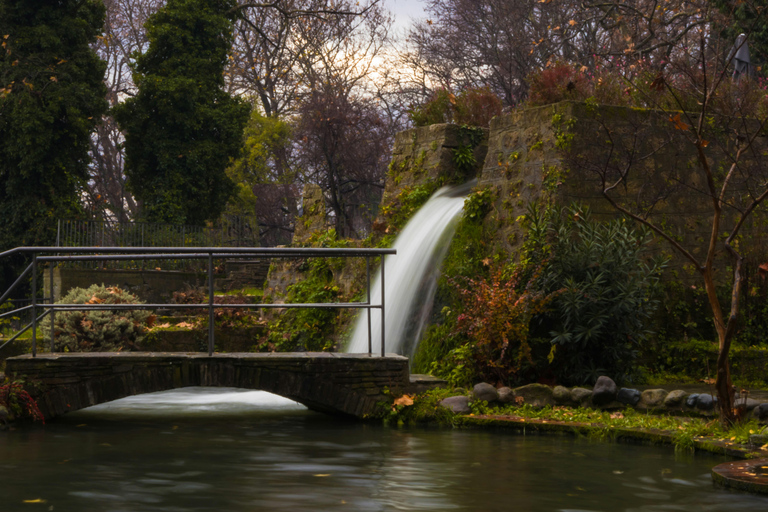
x: 368, y: 286
x: 210, y: 304
x: 383, y: 287
x: 34, y: 304
x: 52, y: 314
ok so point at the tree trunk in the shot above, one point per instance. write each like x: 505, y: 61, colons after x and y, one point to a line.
x: 723, y: 384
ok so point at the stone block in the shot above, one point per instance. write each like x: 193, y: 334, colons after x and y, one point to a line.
x: 604, y: 391
x: 628, y: 396
x: 562, y: 395
x: 485, y: 391
x: 506, y: 395
x: 537, y: 395
x: 652, y: 398
x: 581, y: 395
x: 675, y: 399
x: 457, y: 404
x: 705, y: 402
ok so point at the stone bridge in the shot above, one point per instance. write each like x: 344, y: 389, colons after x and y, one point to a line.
x: 346, y: 384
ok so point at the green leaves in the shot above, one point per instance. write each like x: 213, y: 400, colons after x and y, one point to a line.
x: 605, y: 285
x: 182, y: 129
x: 45, y: 125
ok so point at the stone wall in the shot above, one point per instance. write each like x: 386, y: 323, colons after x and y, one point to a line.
x: 157, y: 286
x: 151, y: 286
x: 336, y: 383
x: 555, y: 153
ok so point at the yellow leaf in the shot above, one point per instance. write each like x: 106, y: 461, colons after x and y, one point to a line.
x: 34, y: 501
x: 572, y: 22
x: 323, y: 475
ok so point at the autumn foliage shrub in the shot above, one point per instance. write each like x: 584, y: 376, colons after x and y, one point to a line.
x: 18, y: 402
x: 557, y: 83
x: 497, y: 312
x: 471, y: 107
x: 98, y: 330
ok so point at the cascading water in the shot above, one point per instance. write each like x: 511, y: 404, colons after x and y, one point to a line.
x: 411, y: 275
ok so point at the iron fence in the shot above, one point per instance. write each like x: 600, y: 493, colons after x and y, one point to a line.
x: 230, y: 231
x: 58, y: 255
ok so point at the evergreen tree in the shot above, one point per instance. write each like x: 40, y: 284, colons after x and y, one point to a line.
x: 51, y: 97
x: 182, y: 128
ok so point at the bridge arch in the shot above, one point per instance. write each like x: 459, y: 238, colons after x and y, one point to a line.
x: 346, y: 384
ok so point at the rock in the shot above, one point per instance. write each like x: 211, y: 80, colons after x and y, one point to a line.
x: 506, y: 395
x: 3, y: 414
x: 628, y: 396
x: 457, y: 404
x: 562, y: 395
x: 758, y: 439
x: 691, y: 400
x: 604, y: 392
x: 537, y: 395
x: 748, y: 403
x: 675, y: 398
x: 761, y: 411
x: 651, y: 398
x: 485, y: 391
x: 581, y: 395
x: 705, y: 402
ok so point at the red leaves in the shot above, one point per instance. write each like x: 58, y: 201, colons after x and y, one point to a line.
x: 497, y: 314
x: 14, y: 396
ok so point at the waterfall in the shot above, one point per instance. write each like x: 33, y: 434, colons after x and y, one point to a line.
x: 411, y: 276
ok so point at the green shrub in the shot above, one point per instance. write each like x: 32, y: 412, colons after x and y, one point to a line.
x: 605, y: 296
x: 102, y: 330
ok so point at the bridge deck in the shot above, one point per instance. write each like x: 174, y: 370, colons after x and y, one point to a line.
x: 349, y: 384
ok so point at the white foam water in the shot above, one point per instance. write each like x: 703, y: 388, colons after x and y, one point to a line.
x: 195, y: 401
x: 411, y: 276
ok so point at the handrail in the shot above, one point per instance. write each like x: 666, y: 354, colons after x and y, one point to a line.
x: 55, y: 254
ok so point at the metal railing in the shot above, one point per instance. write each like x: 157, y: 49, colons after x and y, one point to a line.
x: 53, y: 255
x: 230, y: 231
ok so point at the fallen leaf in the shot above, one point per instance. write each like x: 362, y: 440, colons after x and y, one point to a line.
x: 762, y: 270
x: 323, y: 474
x: 404, y: 400
x: 34, y: 501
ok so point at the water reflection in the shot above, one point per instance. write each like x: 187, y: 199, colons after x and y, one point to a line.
x: 231, y: 450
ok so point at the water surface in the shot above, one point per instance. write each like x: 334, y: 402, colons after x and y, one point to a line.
x: 203, y: 449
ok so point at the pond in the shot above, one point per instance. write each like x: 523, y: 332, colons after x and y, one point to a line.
x: 205, y: 449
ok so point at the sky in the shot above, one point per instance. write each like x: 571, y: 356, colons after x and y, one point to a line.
x: 404, y: 11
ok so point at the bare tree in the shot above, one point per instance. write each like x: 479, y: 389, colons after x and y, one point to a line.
x: 497, y: 43
x: 344, y: 144
x: 123, y: 35
x: 706, y: 154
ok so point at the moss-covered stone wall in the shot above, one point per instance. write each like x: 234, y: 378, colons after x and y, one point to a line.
x: 554, y: 154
